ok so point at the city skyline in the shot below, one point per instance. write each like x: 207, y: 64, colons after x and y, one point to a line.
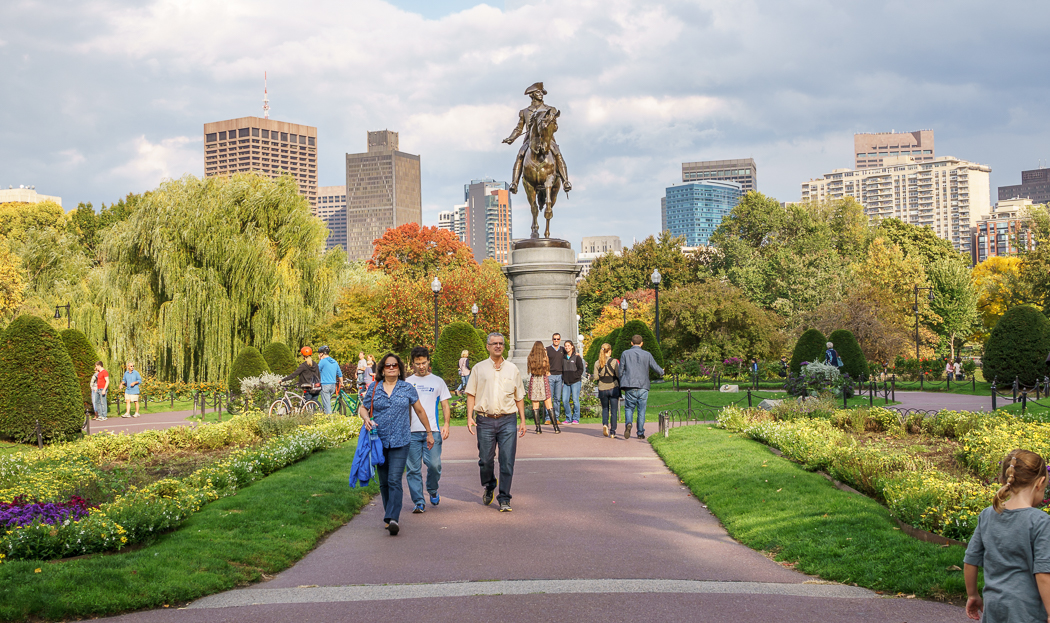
x: 108, y: 99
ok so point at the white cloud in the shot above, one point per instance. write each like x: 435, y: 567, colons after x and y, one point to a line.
x: 71, y: 157
x: 154, y: 162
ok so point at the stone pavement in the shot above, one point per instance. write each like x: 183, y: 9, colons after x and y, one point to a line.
x: 601, y: 531
x: 955, y: 402
x: 145, y: 421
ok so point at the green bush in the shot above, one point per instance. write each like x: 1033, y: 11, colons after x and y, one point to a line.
x: 249, y: 362
x: 37, y: 382
x: 853, y: 361
x: 280, y: 358
x: 649, y: 343
x: 594, y: 350
x: 1017, y: 347
x: 454, y: 339
x: 84, y: 358
x: 810, y: 347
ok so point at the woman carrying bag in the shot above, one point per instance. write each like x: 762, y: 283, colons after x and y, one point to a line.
x: 607, y: 373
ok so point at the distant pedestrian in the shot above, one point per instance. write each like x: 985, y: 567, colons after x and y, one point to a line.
x: 1012, y: 543
x: 433, y: 393
x: 539, y: 389
x: 387, y: 406
x: 607, y: 373
x: 495, y: 403
x: 957, y: 368
x: 783, y: 367
x: 362, y: 371
x: 99, y: 386
x: 634, y: 379
x: 831, y: 356
x: 573, y: 369
x: 308, y: 374
x: 555, y: 354
x: 131, y: 382
x: 949, y: 369
x: 464, y: 370
x: 370, y: 370
x: 331, y: 378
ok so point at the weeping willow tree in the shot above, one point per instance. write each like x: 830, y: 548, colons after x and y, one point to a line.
x: 205, y: 267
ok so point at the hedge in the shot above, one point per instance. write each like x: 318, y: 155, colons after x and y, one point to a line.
x: 649, y: 343
x: 249, y: 362
x: 1017, y: 347
x: 84, y: 357
x: 854, y: 363
x: 809, y: 348
x: 37, y: 383
x: 280, y: 358
x: 454, y: 339
x: 591, y: 355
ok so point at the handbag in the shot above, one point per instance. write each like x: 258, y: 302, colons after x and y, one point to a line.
x: 616, y: 393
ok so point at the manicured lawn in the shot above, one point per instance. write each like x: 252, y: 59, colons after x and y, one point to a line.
x: 773, y: 505
x: 264, y: 529
x: 10, y: 447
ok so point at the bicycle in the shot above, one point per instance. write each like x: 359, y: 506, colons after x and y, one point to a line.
x: 349, y: 400
x: 294, y: 404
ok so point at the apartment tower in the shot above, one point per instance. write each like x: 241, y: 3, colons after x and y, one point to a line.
x: 486, y: 225
x: 383, y: 191
x: 1035, y: 185
x: 872, y: 150
x: 331, y: 208
x: 694, y: 210
x: 742, y: 171
x: 271, y: 148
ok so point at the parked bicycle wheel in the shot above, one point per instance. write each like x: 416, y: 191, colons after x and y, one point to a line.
x: 280, y: 407
x: 310, y: 407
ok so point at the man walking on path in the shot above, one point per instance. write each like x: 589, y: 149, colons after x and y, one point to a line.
x: 555, y: 355
x: 331, y: 378
x: 495, y: 395
x: 99, y: 384
x: 362, y: 370
x: 432, y: 392
x: 635, y: 364
x: 132, y: 384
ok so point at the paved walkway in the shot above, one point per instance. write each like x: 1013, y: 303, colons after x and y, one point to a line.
x: 955, y: 402
x: 601, y: 531
x: 145, y: 421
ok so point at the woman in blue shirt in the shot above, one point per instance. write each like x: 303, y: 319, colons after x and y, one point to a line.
x: 386, y: 407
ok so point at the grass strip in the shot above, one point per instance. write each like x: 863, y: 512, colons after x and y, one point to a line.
x: 264, y: 529
x: 771, y: 504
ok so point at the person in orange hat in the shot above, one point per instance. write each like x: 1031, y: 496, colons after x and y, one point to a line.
x: 308, y: 374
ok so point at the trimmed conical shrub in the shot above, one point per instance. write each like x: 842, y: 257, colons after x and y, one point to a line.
x: 84, y: 357
x: 37, y: 383
x: 623, y: 342
x: 1017, y: 347
x: 454, y: 339
x: 853, y: 361
x: 809, y: 348
x: 279, y: 358
x: 249, y: 362
x: 594, y: 350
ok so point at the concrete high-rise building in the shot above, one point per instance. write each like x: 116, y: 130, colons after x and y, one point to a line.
x: 486, y: 219
x: 446, y: 220
x: 593, y: 247
x: 272, y: 148
x: 695, y: 210
x: 1004, y: 232
x: 1035, y: 185
x: 872, y: 150
x: 742, y: 171
x: 383, y: 191
x: 331, y: 208
x: 26, y: 194
x: 946, y: 195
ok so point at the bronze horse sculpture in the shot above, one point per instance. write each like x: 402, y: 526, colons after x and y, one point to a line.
x: 540, y: 171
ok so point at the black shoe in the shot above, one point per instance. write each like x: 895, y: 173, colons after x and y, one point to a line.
x: 487, y: 498
x: 393, y: 528
x: 640, y: 435
x: 627, y: 431
x: 504, y: 507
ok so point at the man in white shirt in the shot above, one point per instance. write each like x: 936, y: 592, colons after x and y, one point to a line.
x: 432, y: 391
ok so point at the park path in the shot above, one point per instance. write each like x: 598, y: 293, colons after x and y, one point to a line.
x: 936, y: 400
x: 145, y: 421
x: 601, y: 531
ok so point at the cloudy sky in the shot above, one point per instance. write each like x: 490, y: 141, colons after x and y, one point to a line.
x: 102, y: 98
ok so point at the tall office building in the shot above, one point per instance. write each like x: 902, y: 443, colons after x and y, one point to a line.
x: 1004, y: 232
x: 742, y: 171
x: 331, y: 208
x: 383, y: 191
x: 872, y: 150
x: 946, y: 195
x: 593, y: 247
x: 269, y: 147
x: 695, y: 210
x: 485, y: 221
x: 445, y: 220
x: 1035, y: 185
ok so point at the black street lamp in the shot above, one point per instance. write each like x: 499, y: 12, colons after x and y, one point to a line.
x: 474, y: 310
x: 58, y: 314
x: 655, y: 278
x: 915, y: 308
x: 436, y: 287
x: 623, y: 306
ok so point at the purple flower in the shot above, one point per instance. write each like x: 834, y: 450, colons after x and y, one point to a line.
x: 22, y: 512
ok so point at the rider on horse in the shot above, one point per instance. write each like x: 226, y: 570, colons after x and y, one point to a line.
x: 525, y: 119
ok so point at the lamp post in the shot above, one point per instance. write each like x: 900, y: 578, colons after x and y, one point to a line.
x: 474, y: 310
x: 655, y: 278
x: 915, y: 308
x: 436, y: 287
x: 623, y: 306
x: 579, y: 338
x: 58, y: 313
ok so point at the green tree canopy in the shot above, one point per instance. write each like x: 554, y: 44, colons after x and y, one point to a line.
x: 84, y: 357
x: 954, y: 301
x: 1035, y: 263
x: 921, y: 242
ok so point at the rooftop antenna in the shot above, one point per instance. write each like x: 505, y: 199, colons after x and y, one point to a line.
x: 266, y: 99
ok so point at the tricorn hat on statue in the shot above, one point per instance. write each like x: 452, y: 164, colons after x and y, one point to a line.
x: 536, y: 87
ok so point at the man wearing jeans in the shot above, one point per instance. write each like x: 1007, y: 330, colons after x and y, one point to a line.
x: 331, y: 378
x: 495, y: 403
x: 99, y: 385
x: 635, y: 364
x: 432, y: 392
x: 555, y: 356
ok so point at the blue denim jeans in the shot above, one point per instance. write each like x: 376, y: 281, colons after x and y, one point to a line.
x: 571, y: 391
x: 99, y: 402
x: 327, y: 391
x: 634, y: 400
x: 390, y: 487
x: 418, y: 455
x: 493, y: 432
x: 556, y: 385
x: 463, y: 382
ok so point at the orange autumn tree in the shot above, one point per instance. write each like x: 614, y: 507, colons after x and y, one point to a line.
x: 415, y: 251
x: 641, y: 305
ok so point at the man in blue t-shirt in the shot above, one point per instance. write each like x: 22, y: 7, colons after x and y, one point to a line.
x: 331, y: 378
x: 132, y: 384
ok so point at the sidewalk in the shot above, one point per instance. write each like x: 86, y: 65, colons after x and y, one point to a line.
x: 954, y: 402
x: 146, y: 421
x: 601, y: 531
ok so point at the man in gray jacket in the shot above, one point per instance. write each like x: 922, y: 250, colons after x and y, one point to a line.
x: 635, y: 364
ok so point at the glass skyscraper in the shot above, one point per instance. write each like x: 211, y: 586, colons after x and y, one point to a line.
x: 695, y: 210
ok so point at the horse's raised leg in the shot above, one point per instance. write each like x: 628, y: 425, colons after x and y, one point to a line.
x: 530, y: 193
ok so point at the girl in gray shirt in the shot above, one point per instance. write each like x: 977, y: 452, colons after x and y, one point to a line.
x: 1012, y: 543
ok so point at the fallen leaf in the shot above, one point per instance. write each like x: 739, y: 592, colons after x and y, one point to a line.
x: 36, y: 570
x: 953, y: 568
x: 780, y: 489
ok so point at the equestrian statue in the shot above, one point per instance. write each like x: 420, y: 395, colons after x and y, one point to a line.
x: 539, y: 158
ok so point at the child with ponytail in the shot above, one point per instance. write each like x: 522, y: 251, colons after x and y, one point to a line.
x: 1012, y: 543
